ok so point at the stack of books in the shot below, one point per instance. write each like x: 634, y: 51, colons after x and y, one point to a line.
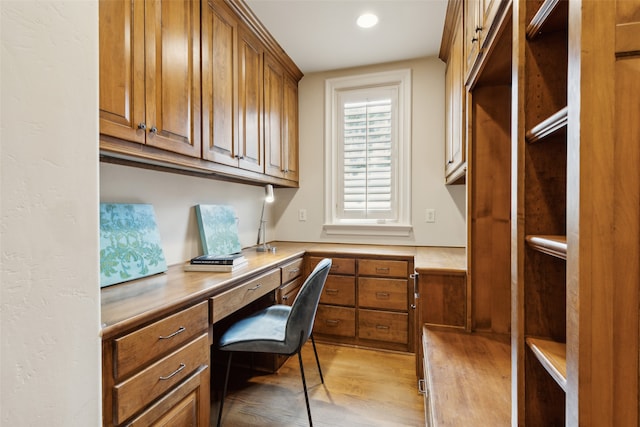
x: 224, y: 263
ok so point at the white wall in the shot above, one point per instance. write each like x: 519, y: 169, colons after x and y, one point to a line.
x: 49, y: 268
x: 173, y: 197
x: 428, y: 190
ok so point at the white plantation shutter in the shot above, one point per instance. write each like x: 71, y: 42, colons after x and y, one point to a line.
x: 368, y: 158
x: 368, y: 154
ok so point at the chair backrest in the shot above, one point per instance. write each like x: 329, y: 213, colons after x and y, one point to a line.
x: 303, y: 310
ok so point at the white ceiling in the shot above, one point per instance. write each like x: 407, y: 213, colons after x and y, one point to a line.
x: 321, y: 35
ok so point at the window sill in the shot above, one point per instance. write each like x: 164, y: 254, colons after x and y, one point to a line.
x: 368, y: 230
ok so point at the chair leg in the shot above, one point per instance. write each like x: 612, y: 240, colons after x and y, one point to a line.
x: 304, y: 385
x: 224, y: 391
x: 317, y: 360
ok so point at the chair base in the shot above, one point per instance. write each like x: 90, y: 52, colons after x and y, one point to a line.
x: 304, y: 382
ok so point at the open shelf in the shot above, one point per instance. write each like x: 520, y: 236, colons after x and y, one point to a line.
x: 550, y: 245
x: 552, y: 16
x: 553, y: 356
x: 547, y: 127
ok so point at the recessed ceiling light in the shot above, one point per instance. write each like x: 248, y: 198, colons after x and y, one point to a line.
x: 367, y: 20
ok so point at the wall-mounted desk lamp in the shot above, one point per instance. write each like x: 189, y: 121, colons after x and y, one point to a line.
x: 268, y: 198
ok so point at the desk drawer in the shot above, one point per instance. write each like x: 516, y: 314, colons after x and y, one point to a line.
x: 288, y: 293
x: 332, y: 320
x: 339, y: 290
x: 383, y: 326
x: 138, y: 391
x: 388, y: 294
x: 338, y: 265
x: 144, y: 345
x: 234, y: 299
x: 291, y: 270
x: 382, y: 268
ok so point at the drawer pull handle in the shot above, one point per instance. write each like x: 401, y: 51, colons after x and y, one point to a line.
x: 285, y: 297
x: 382, y: 270
x: 422, y: 388
x: 383, y: 327
x: 180, y: 330
x: 332, y: 322
x: 331, y: 291
x: 255, y: 287
x: 294, y: 271
x: 180, y: 368
x: 382, y: 295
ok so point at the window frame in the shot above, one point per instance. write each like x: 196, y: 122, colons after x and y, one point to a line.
x: 334, y: 223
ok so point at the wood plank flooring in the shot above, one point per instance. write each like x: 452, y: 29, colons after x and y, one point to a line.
x: 362, y: 388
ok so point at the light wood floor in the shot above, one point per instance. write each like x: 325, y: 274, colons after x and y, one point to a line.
x: 361, y: 388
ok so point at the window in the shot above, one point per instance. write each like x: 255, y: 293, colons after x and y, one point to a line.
x: 367, y: 167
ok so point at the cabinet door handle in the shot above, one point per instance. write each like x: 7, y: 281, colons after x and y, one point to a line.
x: 180, y: 330
x: 255, y: 287
x: 180, y: 368
x: 422, y: 388
x: 142, y: 126
x: 153, y: 129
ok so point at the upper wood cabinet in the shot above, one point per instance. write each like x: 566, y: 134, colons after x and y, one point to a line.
x: 219, y: 84
x: 250, y: 93
x: 479, y: 32
x: 150, y: 73
x: 186, y: 91
x: 281, y: 120
x: 452, y: 53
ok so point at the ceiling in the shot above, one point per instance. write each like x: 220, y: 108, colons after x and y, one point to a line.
x: 322, y: 35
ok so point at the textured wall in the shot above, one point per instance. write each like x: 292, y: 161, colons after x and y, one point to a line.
x: 49, y: 293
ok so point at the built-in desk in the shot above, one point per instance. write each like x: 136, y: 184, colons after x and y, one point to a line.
x: 156, y: 330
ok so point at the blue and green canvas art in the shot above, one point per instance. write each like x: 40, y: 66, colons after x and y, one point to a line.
x: 218, y: 229
x: 130, y: 245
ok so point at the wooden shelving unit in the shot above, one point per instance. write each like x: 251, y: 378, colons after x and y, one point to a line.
x: 576, y: 196
x: 539, y: 305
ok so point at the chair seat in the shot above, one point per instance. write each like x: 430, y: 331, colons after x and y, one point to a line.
x: 263, y: 332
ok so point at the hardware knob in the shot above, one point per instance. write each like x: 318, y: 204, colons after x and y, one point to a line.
x: 142, y: 126
x: 153, y: 129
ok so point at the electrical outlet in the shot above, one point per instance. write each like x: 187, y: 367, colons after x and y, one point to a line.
x: 302, y: 214
x: 430, y: 215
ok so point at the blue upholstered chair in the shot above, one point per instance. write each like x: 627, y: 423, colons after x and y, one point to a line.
x: 279, y: 329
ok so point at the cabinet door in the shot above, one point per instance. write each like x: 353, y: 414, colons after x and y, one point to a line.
x: 172, y: 82
x: 290, y: 131
x: 121, y: 29
x: 273, y: 118
x: 250, y: 53
x: 472, y: 29
x: 219, y: 84
x: 455, y: 147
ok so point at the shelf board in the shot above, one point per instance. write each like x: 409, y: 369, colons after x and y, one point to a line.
x: 550, y: 245
x: 547, y: 127
x: 553, y: 356
x: 552, y: 16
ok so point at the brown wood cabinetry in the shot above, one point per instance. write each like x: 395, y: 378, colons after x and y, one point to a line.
x: 481, y: 26
x: 281, y: 121
x: 575, y: 307
x: 159, y: 373
x: 366, y: 301
x: 150, y: 73
x: 185, y: 90
x: 451, y: 52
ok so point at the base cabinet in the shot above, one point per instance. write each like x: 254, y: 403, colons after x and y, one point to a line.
x: 366, y: 302
x: 159, y: 374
